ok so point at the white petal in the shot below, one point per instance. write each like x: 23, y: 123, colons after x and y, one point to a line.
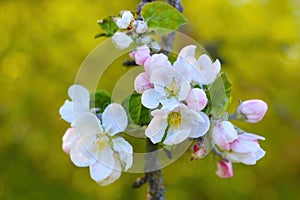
x: 80, y: 94
x: 121, y: 40
x: 176, y: 136
x: 156, y: 129
x: 114, y: 119
x: 184, y: 90
x: 66, y: 111
x: 151, y: 98
x: 81, y: 154
x: 88, y: 124
x: 259, y: 153
x: 99, y: 171
x: 204, y: 62
x: 188, y: 53
x: 125, y: 151
x: 115, y: 175
x: 164, y: 76
x: 202, y: 127
x: 170, y: 103
x: 244, y: 146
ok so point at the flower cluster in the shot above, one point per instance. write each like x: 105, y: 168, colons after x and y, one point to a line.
x: 131, y: 30
x: 93, y: 141
x: 175, y: 93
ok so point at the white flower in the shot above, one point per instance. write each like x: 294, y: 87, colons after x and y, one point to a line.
x: 223, y: 134
x: 125, y: 21
x: 178, y: 125
x: 80, y: 103
x: 96, y: 148
x: 202, y: 71
x: 121, y: 40
x: 169, y: 89
x: 140, y: 26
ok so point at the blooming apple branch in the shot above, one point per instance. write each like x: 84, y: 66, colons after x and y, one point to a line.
x: 185, y: 98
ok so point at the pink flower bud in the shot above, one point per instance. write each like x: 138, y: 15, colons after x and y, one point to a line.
x: 224, y: 169
x: 253, y: 110
x: 69, y: 139
x: 140, y: 55
x: 156, y: 61
x: 223, y: 133
x: 196, y: 99
x: 198, y: 151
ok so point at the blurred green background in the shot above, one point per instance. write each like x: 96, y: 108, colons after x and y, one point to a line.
x: 42, y: 44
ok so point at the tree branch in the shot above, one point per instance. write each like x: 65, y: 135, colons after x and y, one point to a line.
x: 176, y: 4
x: 140, y: 6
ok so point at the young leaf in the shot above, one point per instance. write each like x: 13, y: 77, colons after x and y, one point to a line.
x: 162, y: 15
x: 101, y: 99
x: 219, y: 95
x: 107, y: 25
x: 137, y: 113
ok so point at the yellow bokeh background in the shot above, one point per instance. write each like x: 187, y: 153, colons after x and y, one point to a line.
x: 42, y: 44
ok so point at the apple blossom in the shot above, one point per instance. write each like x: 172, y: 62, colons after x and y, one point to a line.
x: 196, y: 99
x: 125, y: 21
x: 202, y: 71
x: 156, y: 61
x: 121, y: 40
x: 80, y: 103
x: 169, y: 89
x: 223, y: 133
x: 198, y: 151
x: 224, y: 169
x: 245, y: 149
x: 178, y: 125
x: 253, y: 110
x: 96, y: 148
x: 140, y: 55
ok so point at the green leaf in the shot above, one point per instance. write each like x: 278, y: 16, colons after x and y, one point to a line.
x: 107, y: 25
x: 100, y: 99
x: 137, y: 113
x: 219, y: 95
x: 162, y: 15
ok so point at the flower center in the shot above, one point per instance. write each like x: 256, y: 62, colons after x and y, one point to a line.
x: 101, y: 143
x: 172, y: 89
x: 174, y: 119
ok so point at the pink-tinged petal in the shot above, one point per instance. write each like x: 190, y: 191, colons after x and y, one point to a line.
x: 184, y: 68
x: 156, y: 61
x: 165, y: 76
x: 201, y: 127
x: 132, y: 54
x: 246, y: 158
x: 244, y: 146
x: 142, y: 54
x: 198, y: 151
x: 175, y: 136
x: 114, y: 119
x: 224, y: 133
x: 156, y: 129
x: 142, y: 83
x: 250, y: 136
x: 125, y: 151
x: 88, y: 124
x: 150, y: 98
x: 196, y: 99
x: 69, y: 139
x: 253, y: 110
x: 81, y: 154
x: 224, y: 169
x: 115, y: 175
